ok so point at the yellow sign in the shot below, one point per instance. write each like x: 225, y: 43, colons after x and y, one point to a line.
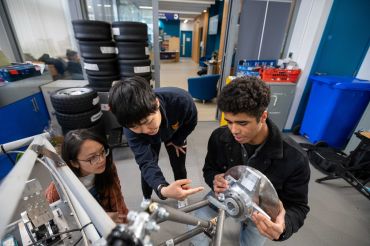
x: 222, y: 121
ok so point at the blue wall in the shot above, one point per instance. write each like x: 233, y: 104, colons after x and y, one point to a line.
x: 213, y: 41
x: 170, y: 27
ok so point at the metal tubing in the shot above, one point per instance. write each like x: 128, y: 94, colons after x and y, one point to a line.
x: 180, y: 238
x: 21, y: 142
x: 219, y: 228
x: 195, y: 206
x: 189, y: 208
x: 11, y: 189
x: 99, y: 217
x: 184, y: 218
x: 89, y: 230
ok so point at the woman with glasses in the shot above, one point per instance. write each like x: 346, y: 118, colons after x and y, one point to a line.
x: 88, y: 156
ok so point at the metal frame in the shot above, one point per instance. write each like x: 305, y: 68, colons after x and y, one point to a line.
x: 213, y: 228
x: 11, y: 189
x: 84, y: 204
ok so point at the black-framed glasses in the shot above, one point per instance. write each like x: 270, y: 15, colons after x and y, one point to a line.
x: 94, y: 160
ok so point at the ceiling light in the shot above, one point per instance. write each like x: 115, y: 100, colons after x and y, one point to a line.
x: 185, y: 21
x: 145, y: 7
x: 205, y: 11
x: 107, y: 5
x: 99, y: 5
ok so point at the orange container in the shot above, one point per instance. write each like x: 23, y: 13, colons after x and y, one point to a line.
x: 280, y: 75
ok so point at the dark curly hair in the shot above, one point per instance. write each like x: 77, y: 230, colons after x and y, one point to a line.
x: 248, y: 95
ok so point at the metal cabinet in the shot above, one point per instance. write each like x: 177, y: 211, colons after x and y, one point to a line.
x: 23, y: 118
x: 282, y: 95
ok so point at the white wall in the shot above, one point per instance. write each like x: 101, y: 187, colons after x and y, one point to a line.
x: 364, y: 72
x: 307, y: 33
x: 186, y: 26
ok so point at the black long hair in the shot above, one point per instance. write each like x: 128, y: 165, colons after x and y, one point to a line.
x: 71, y: 147
x: 132, y: 100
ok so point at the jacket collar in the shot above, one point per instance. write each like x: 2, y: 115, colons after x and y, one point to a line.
x: 162, y: 109
x: 273, y: 146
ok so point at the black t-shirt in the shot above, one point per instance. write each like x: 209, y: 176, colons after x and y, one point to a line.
x: 248, y: 151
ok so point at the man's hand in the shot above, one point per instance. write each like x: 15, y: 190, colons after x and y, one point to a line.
x: 220, y: 184
x: 180, y: 189
x: 267, y: 228
x: 178, y: 149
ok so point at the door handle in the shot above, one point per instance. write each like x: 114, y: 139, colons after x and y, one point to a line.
x: 35, y: 105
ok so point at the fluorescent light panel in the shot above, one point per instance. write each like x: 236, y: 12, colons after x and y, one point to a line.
x: 145, y: 7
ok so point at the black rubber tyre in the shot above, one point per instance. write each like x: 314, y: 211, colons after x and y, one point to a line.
x: 101, y: 81
x: 98, y: 50
x: 101, y: 67
x: 91, y: 30
x: 80, y: 120
x: 129, y: 31
x: 129, y: 68
x: 97, y: 128
x: 74, y: 100
x: 100, y: 89
x: 132, y: 51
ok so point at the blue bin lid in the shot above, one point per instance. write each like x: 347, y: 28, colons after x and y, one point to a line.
x: 343, y: 82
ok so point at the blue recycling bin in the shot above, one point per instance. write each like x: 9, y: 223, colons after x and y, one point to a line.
x: 335, y: 106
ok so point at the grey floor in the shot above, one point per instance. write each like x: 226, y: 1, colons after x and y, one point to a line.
x: 339, y: 214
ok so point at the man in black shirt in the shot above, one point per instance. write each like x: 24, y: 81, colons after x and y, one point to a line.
x: 252, y: 139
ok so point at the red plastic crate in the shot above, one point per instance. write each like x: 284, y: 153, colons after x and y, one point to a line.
x: 280, y: 75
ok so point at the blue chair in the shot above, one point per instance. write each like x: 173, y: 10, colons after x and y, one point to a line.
x: 204, y: 87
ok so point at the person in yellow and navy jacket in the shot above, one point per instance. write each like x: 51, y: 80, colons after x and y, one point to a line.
x: 150, y: 117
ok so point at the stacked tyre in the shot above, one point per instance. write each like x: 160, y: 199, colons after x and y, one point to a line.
x: 98, y: 51
x: 133, y: 53
x: 78, y: 108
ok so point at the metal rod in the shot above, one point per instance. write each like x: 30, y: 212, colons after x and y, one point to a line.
x: 103, y: 223
x: 157, y: 62
x: 195, y: 206
x: 219, y: 228
x: 11, y: 188
x: 22, y: 142
x: 184, y: 218
x: 98, y: 216
x: 180, y: 238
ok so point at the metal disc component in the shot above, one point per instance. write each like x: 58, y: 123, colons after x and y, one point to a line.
x: 249, y: 186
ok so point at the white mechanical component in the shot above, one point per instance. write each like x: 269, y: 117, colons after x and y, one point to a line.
x: 249, y: 190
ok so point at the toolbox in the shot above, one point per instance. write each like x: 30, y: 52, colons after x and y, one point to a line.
x: 19, y: 71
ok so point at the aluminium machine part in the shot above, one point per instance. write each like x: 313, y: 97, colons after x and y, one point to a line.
x: 249, y: 190
x: 38, y: 217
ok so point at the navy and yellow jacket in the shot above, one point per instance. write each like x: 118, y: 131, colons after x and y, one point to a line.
x: 179, y: 118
